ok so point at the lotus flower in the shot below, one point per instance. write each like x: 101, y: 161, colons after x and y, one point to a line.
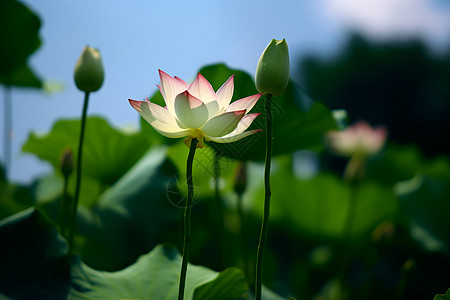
x: 196, y: 111
x: 359, y: 138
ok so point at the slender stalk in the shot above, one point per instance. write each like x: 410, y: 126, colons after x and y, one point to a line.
x: 268, y: 193
x: 64, y: 207
x: 351, y: 211
x: 347, y: 230
x: 187, y: 219
x: 401, y: 287
x: 73, y: 211
x: 8, y: 129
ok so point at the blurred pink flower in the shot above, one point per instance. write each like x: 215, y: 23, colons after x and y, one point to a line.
x: 196, y: 111
x: 360, y: 139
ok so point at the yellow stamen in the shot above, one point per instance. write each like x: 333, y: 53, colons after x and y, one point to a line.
x: 196, y: 133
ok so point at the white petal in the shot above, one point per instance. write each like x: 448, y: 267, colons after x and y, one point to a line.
x: 246, y: 103
x: 225, y: 93
x: 202, y: 89
x: 191, y: 112
x: 245, y: 122
x: 233, y: 137
x: 222, y: 124
x: 170, y: 88
x: 213, y: 109
x: 159, y: 118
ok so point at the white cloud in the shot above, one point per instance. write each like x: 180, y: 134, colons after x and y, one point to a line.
x: 385, y: 19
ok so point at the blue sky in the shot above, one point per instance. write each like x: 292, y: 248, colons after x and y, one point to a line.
x: 138, y: 37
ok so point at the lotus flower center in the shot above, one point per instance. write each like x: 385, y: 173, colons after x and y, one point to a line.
x: 195, y: 133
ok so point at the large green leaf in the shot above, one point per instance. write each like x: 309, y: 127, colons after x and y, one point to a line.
x: 424, y: 202
x: 22, y: 76
x: 299, y: 122
x: 132, y: 216
x: 156, y: 276
x: 35, y: 266
x: 47, y: 188
x: 128, y: 218
x: 19, y: 28
x: 14, y: 198
x: 34, y: 262
x: 107, y: 153
x: 445, y: 296
x: 422, y: 185
x: 229, y: 284
x: 318, y: 207
x: 398, y: 163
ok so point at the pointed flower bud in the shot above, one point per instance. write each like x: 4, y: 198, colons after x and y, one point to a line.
x: 272, y: 72
x: 240, y: 180
x: 67, y: 162
x: 89, y: 72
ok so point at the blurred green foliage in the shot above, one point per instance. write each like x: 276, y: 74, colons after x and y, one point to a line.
x: 45, y: 272
x: 401, y: 85
x: 443, y: 297
x: 132, y: 200
x: 19, y: 34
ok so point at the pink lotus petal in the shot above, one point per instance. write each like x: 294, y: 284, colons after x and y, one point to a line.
x: 135, y: 104
x: 182, y: 82
x: 222, y: 124
x: 245, y: 122
x: 196, y: 111
x: 170, y: 88
x: 202, y: 89
x: 246, y: 103
x: 225, y: 93
x: 359, y: 138
x: 233, y: 137
x: 159, y: 118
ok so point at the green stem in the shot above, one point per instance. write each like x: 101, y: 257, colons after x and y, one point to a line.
x: 187, y: 219
x: 8, y: 129
x: 351, y: 212
x: 265, y: 221
x: 64, y: 207
x: 346, y: 236
x: 73, y: 212
x: 401, y: 287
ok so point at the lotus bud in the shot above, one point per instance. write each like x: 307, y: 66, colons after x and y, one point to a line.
x: 272, y: 72
x: 240, y: 180
x: 67, y: 163
x: 89, y: 72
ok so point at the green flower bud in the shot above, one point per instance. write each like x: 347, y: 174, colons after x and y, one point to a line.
x: 67, y: 162
x: 240, y: 180
x: 272, y: 72
x: 89, y: 70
